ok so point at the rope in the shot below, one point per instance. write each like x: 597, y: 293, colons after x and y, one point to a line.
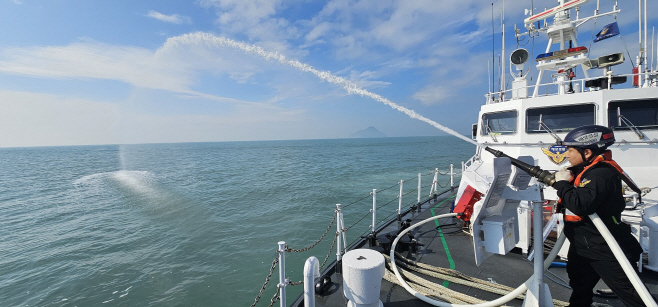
x: 388, y: 203
x: 382, y: 190
x: 409, y: 192
x: 359, y: 221
x: 428, y: 288
x: 288, y: 249
x: 359, y: 200
x: 458, y: 277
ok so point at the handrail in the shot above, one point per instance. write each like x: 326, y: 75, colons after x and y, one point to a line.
x: 491, y: 95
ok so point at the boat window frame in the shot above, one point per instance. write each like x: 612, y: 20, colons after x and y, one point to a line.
x: 624, y: 127
x: 483, y: 130
x: 527, y: 120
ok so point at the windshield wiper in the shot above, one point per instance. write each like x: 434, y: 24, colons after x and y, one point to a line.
x: 543, y: 125
x: 490, y: 131
x: 622, y: 118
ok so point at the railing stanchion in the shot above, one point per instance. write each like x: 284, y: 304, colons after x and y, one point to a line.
x: 374, y: 210
x: 452, y: 178
x: 342, y: 231
x: 400, y: 201
x: 419, y: 177
x: 282, y: 273
x: 339, y: 232
x: 434, y: 183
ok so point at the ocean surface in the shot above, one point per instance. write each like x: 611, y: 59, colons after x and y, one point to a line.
x: 194, y: 224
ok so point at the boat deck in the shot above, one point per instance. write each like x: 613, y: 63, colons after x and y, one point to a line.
x: 511, y: 269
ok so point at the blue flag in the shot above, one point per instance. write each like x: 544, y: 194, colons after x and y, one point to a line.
x: 607, y: 32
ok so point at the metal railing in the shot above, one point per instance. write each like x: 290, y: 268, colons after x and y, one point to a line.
x: 578, y: 86
x: 340, y: 236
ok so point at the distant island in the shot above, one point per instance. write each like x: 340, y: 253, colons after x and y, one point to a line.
x: 370, y: 132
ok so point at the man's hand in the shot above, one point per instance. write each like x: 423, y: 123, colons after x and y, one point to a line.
x: 563, y: 174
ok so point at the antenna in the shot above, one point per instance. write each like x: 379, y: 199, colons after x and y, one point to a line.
x: 489, y: 68
x: 645, y: 36
x: 503, y: 53
x: 493, y: 50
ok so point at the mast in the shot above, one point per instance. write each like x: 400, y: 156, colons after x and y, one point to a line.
x: 646, y: 57
x: 639, y: 57
x: 502, y: 75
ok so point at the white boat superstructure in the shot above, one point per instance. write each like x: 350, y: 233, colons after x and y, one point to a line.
x: 529, y: 121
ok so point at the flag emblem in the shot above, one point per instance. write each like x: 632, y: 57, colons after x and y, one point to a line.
x: 607, y: 32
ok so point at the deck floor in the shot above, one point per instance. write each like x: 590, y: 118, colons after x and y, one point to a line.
x: 511, y: 269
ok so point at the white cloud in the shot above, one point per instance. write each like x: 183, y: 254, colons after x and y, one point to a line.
x: 175, y: 18
x: 432, y: 94
x: 137, y: 66
x: 256, y: 19
x: 170, y: 68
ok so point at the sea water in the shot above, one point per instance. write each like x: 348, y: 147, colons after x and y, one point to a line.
x: 193, y: 224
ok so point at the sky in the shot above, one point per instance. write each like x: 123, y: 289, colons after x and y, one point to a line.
x: 87, y: 72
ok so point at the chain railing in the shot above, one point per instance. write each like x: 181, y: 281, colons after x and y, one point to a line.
x: 267, y: 281
x: 286, y: 282
x: 291, y: 250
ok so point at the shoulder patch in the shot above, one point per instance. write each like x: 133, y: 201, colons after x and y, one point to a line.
x: 583, y: 183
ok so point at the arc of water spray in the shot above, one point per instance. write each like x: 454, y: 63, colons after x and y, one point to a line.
x: 350, y: 87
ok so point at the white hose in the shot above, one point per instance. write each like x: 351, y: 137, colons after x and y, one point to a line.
x: 497, y: 302
x: 623, y: 261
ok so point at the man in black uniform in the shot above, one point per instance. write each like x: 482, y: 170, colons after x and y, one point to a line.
x: 593, y: 185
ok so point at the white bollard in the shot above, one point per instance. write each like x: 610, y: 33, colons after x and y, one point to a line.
x: 363, y: 270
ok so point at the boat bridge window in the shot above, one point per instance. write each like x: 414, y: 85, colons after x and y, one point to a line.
x: 643, y: 114
x: 560, y: 118
x: 499, y: 123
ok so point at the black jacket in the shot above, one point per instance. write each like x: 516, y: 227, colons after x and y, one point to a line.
x: 600, y: 192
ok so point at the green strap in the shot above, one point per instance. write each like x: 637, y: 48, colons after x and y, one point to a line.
x: 443, y: 239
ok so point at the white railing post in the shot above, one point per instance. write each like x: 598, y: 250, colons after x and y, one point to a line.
x: 435, y: 182
x: 282, y: 273
x: 419, y: 188
x: 400, y: 200
x: 452, y: 177
x: 418, y: 204
x: 374, y: 210
x: 311, y: 273
x: 342, y: 231
x: 339, y: 231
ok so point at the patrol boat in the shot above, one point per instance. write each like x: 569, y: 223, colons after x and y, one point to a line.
x: 486, y: 252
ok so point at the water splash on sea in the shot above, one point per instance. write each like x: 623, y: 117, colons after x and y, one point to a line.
x: 201, y: 38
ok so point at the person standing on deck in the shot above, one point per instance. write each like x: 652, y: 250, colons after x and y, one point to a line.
x: 593, y: 184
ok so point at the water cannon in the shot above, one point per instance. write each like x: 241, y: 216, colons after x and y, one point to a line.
x: 534, y: 171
